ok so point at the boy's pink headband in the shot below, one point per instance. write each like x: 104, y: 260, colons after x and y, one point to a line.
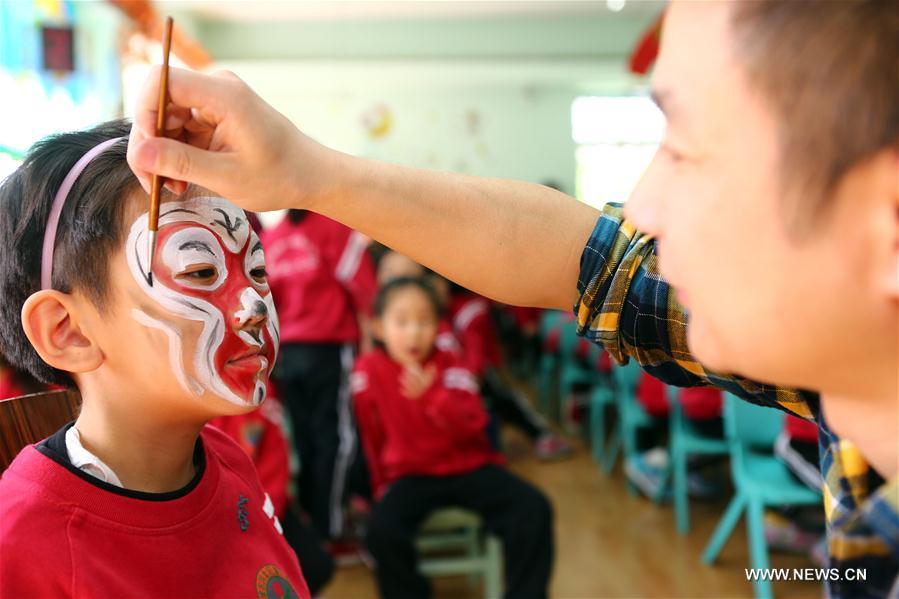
x: 59, y: 201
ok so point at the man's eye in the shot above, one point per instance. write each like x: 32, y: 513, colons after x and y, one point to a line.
x: 259, y: 273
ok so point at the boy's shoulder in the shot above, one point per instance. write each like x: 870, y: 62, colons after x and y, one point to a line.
x: 34, y: 518
x: 230, y: 454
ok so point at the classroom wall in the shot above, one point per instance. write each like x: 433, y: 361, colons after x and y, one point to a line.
x: 443, y: 116
x: 485, y: 96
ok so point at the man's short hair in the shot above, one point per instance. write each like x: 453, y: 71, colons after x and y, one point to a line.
x: 830, y: 72
x: 90, y: 230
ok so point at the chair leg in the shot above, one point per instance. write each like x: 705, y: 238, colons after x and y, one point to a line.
x: 663, y: 484
x: 597, y: 426
x: 758, y: 547
x: 681, y: 497
x: 547, y: 370
x: 724, y: 529
x: 493, y: 572
x: 472, y: 549
x: 613, y: 448
x: 629, y: 445
x: 564, y: 394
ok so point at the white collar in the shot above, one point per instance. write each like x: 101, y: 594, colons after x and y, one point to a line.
x: 86, y: 461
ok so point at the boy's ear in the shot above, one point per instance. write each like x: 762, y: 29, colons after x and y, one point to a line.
x: 50, y: 320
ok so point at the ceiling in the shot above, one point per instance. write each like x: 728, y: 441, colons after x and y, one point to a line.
x: 373, y: 10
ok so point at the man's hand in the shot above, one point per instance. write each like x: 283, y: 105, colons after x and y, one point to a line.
x: 415, y: 380
x: 221, y: 135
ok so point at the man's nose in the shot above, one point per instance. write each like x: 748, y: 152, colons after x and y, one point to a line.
x: 645, y: 207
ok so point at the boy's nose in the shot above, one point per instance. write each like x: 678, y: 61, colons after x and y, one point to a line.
x: 253, y: 312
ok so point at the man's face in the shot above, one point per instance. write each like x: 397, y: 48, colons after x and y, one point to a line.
x: 206, y: 327
x: 761, y: 303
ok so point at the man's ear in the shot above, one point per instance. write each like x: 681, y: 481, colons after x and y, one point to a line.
x: 50, y: 320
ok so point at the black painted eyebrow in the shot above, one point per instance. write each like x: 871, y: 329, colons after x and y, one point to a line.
x: 257, y: 247
x: 174, y: 210
x: 197, y: 245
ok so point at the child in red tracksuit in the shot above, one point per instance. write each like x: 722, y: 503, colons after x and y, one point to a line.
x: 473, y: 325
x: 422, y: 426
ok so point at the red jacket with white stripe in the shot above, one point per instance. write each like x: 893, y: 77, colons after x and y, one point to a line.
x: 321, y: 277
x: 473, y: 325
x: 441, y: 433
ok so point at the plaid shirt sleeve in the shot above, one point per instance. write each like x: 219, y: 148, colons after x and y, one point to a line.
x: 624, y: 305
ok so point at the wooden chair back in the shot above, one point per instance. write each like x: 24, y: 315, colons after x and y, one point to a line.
x: 30, y: 418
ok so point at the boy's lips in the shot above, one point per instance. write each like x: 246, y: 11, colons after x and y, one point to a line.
x: 252, y: 360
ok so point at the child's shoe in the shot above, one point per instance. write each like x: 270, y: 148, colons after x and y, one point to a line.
x: 551, y: 446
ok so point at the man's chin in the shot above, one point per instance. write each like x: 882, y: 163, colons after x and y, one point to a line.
x: 707, y: 349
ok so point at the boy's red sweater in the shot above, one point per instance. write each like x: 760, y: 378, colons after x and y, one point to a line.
x: 261, y: 435
x: 441, y: 433
x: 62, y: 536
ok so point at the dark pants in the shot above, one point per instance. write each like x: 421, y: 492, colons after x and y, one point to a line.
x: 313, y: 379
x: 317, y: 564
x: 512, y: 509
x: 510, y: 406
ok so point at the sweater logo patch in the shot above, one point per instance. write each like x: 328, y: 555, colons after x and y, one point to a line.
x: 272, y: 584
x: 242, y: 519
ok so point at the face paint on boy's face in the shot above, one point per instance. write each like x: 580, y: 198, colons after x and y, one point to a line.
x: 210, y: 268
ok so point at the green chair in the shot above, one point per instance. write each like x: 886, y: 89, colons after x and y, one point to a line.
x: 450, y: 543
x: 684, y: 441
x: 602, y: 397
x: 550, y: 320
x: 760, y: 480
x: 573, y: 371
x: 631, y: 417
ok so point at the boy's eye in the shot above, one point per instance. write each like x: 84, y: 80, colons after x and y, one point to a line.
x: 259, y: 274
x: 199, y: 275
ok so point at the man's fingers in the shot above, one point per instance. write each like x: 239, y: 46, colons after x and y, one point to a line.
x: 188, y: 89
x: 182, y: 162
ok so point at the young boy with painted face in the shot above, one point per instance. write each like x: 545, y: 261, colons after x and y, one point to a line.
x: 137, y: 497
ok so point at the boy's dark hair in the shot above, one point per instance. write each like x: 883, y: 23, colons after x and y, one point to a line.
x: 90, y: 229
x: 382, y: 300
x: 296, y: 216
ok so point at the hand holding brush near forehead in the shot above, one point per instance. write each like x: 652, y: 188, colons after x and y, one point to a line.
x: 156, y: 186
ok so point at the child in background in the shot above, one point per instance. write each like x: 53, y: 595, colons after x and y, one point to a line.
x: 473, y: 325
x: 392, y: 265
x: 701, y: 408
x: 14, y: 383
x: 422, y: 426
x: 137, y: 497
x: 323, y: 283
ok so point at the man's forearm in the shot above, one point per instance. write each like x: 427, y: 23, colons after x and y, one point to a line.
x: 516, y: 242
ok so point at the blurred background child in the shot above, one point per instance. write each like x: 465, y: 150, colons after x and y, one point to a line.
x: 423, y: 425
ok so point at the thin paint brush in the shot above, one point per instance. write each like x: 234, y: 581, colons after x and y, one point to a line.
x: 156, y: 187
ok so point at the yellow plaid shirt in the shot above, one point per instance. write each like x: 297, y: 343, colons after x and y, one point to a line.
x: 624, y: 305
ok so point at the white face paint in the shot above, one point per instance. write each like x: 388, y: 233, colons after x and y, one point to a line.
x: 210, y: 269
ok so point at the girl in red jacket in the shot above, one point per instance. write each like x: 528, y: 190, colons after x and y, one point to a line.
x: 422, y: 426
